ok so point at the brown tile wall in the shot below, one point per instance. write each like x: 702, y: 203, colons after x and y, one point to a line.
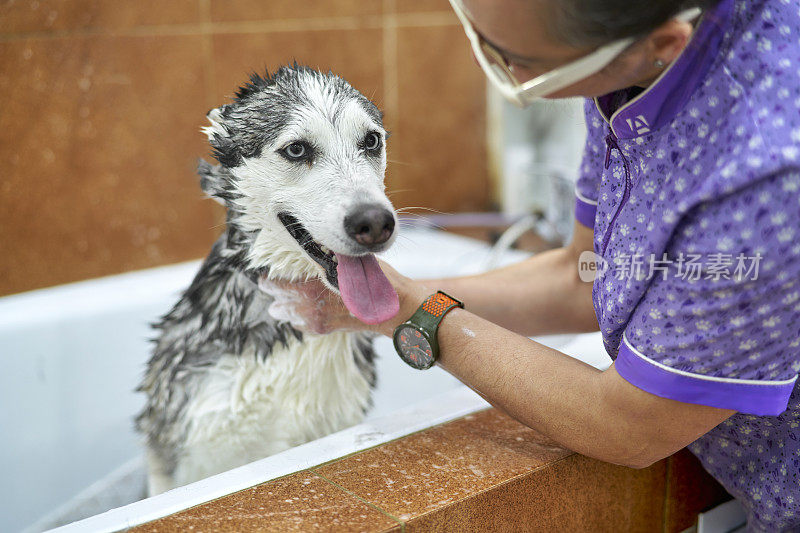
x: 102, y: 103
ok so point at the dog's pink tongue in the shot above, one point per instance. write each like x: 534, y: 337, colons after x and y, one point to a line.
x: 365, y: 291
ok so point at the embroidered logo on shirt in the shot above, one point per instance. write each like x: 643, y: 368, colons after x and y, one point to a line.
x: 639, y: 125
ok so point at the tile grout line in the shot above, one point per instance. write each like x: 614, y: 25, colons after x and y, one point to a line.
x: 426, y: 20
x: 193, y: 28
x: 208, y: 52
x: 370, y: 504
x: 263, y: 26
x: 391, y: 97
x: 294, y: 25
x: 666, y: 495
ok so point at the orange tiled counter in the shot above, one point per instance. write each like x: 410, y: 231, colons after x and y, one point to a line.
x: 484, y: 471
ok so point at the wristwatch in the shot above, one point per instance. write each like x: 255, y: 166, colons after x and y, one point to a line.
x: 415, y: 339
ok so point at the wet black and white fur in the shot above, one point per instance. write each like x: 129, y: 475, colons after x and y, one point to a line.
x: 227, y: 384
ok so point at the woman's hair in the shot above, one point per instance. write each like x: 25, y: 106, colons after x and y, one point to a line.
x: 596, y: 22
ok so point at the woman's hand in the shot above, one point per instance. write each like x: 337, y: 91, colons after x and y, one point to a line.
x: 311, y: 307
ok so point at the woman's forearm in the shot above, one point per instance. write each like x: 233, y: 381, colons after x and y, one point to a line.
x: 539, y: 296
x: 594, y: 413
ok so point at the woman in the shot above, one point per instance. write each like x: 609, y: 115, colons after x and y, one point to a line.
x: 689, y: 198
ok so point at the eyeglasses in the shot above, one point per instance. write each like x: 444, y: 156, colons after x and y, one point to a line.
x: 499, y: 69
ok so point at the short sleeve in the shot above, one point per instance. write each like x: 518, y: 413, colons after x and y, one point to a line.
x: 591, y: 170
x: 720, y: 322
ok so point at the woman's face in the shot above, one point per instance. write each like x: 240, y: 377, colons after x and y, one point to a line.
x: 523, y: 32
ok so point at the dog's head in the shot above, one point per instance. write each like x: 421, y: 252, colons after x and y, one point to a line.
x: 303, y: 158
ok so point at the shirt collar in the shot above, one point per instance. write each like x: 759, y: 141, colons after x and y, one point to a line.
x: 658, y: 104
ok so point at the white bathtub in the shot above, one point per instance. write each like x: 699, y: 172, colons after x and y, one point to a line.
x: 72, y: 355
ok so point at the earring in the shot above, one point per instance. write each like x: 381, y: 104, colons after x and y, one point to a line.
x: 659, y: 63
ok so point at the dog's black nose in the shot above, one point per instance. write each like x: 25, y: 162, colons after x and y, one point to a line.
x: 369, y: 224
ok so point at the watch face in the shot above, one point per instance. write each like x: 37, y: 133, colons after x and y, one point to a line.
x: 414, y: 348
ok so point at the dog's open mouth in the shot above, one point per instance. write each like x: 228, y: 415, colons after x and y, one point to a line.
x: 366, y: 292
x: 318, y: 252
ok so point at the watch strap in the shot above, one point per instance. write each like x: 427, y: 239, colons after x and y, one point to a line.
x: 430, y: 314
x: 439, y: 304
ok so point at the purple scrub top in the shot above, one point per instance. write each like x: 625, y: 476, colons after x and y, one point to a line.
x: 692, y: 188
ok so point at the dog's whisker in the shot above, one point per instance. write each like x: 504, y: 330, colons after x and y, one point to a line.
x: 409, y: 213
x: 416, y: 221
x: 424, y: 208
x: 398, y: 191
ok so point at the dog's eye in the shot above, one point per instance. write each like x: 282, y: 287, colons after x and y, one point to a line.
x: 372, y: 141
x: 296, y: 151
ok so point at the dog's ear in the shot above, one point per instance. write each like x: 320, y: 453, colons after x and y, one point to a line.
x: 219, y: 136
x: 213, y: 181
x: 217, y: 127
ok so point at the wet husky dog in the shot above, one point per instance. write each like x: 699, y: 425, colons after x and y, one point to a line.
x: 301, y: 166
